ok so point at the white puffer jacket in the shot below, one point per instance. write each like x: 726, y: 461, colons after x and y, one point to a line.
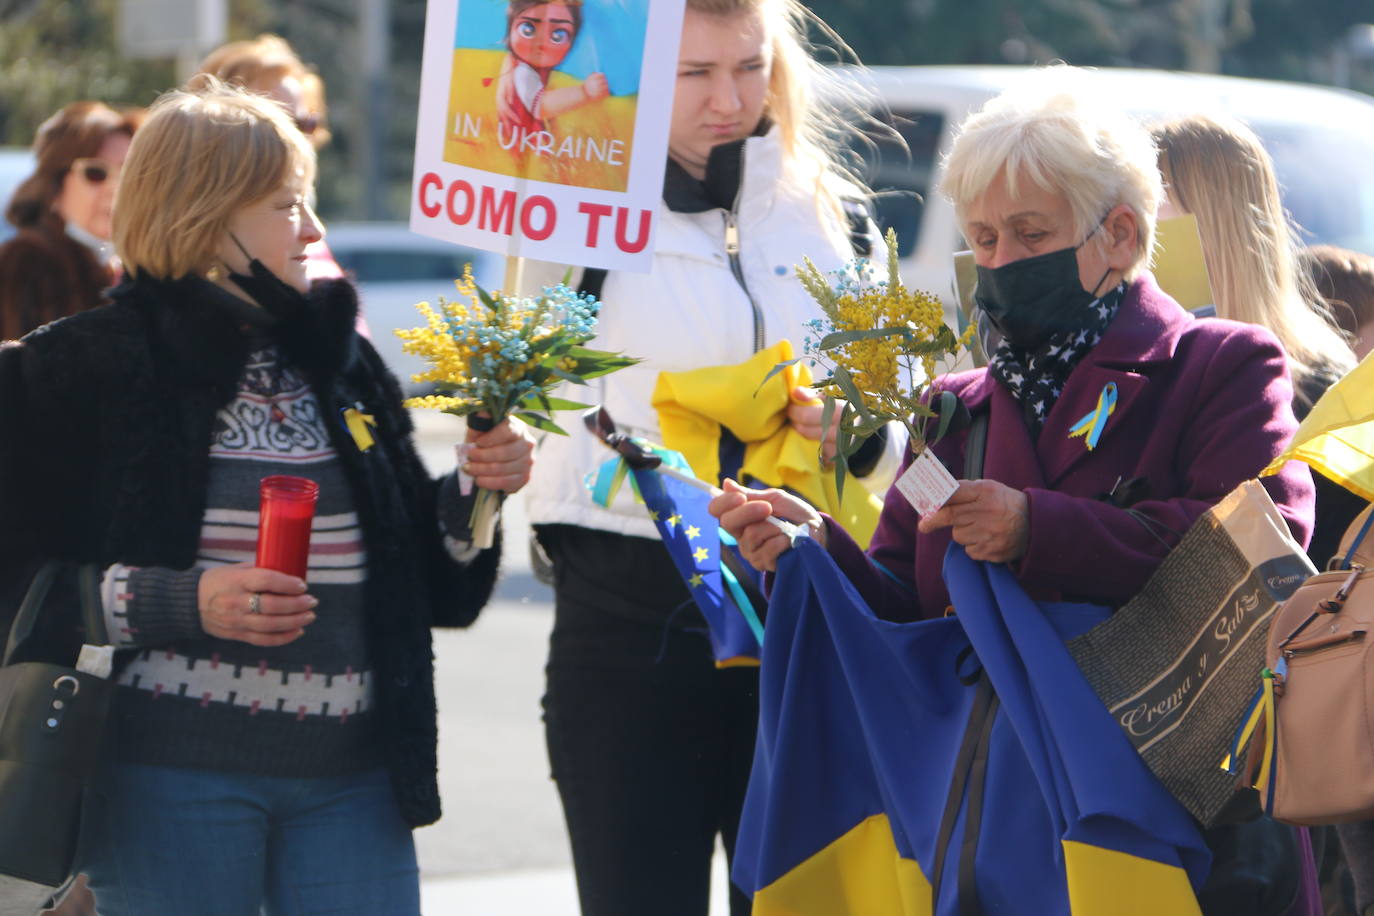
x: 689, y: 312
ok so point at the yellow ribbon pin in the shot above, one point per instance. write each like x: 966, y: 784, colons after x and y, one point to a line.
x: 358, y: 423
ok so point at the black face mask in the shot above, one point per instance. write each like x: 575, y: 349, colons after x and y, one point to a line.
x: 1026, y: 301
x: 274, y: 294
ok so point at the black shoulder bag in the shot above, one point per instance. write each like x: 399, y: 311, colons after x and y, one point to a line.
x: 52, y: 724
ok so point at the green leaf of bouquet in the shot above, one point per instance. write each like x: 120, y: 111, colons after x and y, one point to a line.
x: 539, y: 421
x: 596, y: 363
x: 941, y: 343
x: 774, y: 371
x: 557, y: 346
x: 545, y: 345
x: 851, y: 391
x: 948, y: 404
x: 837, y: 338
x: 566, y: 376
x: 864, y: 429
x: 548, y: 403
x: 849, y: 443
x: 841, y: 464
x: 486, y: 298
x: 581, y: 353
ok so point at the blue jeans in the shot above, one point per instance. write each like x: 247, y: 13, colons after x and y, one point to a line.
x: 168, y: 841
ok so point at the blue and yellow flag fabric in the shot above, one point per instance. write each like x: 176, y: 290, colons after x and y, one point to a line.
x: 695, y: 541
x: 861, y: 722
x: 1337, y: 436
x: 698, y: 407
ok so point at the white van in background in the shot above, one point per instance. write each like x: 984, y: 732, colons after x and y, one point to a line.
x: 1321, y: 140
x: 16, y: 164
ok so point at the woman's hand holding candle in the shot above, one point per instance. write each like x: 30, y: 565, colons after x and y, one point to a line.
x: 278, y: 615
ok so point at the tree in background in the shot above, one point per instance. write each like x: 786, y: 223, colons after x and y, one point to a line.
x: 55, y: 51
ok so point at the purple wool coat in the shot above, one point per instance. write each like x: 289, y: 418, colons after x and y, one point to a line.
x: 1202, y: 405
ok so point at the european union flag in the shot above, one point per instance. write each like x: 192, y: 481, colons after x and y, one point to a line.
x: 861, y: 724
x: 695, y: 542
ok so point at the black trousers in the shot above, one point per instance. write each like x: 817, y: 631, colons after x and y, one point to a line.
x: 650, y: 744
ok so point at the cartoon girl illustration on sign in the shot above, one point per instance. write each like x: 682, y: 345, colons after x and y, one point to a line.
x: 547, y: 89
x: 539, y: 36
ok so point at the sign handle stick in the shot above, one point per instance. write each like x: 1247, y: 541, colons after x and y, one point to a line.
x: 515, y: 271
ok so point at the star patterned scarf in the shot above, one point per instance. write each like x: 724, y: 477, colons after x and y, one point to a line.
x: 1036, y: 378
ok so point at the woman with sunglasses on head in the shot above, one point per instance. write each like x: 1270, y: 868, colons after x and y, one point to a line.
x: 61, y: 260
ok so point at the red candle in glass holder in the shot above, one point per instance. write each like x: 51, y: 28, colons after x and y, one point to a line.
x: 286, y: 510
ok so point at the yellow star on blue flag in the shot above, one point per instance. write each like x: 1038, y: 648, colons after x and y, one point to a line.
x: 694, y: 541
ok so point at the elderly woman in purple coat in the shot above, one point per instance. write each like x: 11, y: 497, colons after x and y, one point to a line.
x: 1056, y: 195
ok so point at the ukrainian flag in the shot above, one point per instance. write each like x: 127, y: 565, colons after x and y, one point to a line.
x: 700, y: 409
x: 1337, y: 437
x: 860, y: 724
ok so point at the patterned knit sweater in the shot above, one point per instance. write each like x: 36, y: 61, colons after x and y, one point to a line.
x: 191, y: 700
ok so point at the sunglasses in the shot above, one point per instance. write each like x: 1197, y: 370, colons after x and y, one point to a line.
x: 95, y: 171
x: 308, y: 124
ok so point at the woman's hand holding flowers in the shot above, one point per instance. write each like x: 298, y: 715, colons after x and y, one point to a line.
x: 744, y: 513
x: 500, y: 458
x: 805, y: 412
x: 990, y: 520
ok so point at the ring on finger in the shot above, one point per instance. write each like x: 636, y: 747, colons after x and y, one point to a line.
x: 254, y: 603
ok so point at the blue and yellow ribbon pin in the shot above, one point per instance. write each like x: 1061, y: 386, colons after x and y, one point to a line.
x: 358, y: 423
x: 1092, y: 423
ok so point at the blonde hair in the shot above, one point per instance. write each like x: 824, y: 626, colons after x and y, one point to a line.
x: 1058, y: 131
x: 1219, y: 172
x: 809, y: 123
x: 255, y: 64
x: 199, y: 157
x: 260, y: 64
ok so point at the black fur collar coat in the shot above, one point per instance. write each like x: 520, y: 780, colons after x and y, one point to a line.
x: 105, y: 428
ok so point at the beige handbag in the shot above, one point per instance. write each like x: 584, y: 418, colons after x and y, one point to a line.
x: 1317, y: 766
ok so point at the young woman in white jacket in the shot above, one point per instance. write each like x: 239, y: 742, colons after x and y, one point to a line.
x: 649, y: 742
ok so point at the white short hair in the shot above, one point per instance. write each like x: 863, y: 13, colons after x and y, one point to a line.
x: 1056, y: 129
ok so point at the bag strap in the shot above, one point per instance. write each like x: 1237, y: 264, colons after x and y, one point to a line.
x: 969, y: 904
x: 1355, y: 544
x: 975, y: 446
x: 88, y: 591
x: 970, y: 769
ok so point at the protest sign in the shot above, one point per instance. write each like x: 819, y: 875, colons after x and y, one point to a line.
x: 543, y: 127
